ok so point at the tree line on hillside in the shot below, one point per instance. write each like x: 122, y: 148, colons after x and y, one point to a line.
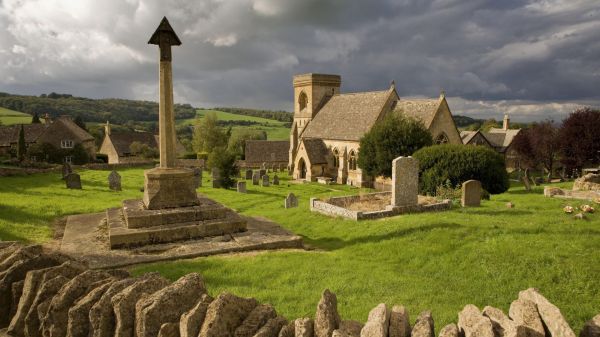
x: 280, y: 115
x: 117, y: 111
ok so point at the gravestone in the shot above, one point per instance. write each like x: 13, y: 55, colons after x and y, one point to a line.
x: 73, y: 181
x: 291, y: 201
x: 276, y: 180
x: 274, y: 168
x: 215, y: 178
x: 66, y: 170
x: 405, y: 182
x: 248, y: 174
x: 241, y: 187
x: 471, y: 193
x: 114, y: 181
x: 198, y: 177
x: 265, y: 181
x: 255, y: 178
x: 262, y: 172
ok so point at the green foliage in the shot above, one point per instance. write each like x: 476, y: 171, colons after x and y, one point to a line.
x: 101, y: 157
x: 79, y: 121
x: 488, y: 124
x: 51, y: 154
x: 35, y: 119
x: 448, y: 191
x: 237, y: 141
x: 393, y: 137
x: 282, y: 116
x: 225, y: 162
x: 207, y: 134
x: 143, y: 150
x: 21, y: 146
x: 440, y: 164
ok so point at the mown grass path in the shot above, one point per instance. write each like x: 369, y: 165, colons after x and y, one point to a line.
x: 437, y: 261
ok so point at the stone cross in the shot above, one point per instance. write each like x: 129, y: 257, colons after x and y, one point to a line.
x: 405, y: 182
x: 114, y: 181
x: 73, y: 181
x: 471, y: 193
x: 291, y: 201
x: 165, y: 37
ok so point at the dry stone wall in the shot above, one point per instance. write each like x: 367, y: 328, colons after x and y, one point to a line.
x: 50, y: 295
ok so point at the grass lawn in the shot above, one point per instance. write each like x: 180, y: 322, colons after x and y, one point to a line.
x: 10, y: 117
x: 275, y: 130
x: 437, y: 261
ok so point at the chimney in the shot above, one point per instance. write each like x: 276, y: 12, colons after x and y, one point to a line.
x: 506, y: 122
x: 47, y: 119
x: 107, y: 128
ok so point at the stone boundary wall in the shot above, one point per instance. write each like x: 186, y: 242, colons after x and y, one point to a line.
x: 51, y: 295
x: 19, y: 171
x: 105, y: 166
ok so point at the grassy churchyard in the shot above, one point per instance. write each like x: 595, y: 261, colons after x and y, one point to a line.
x: 437, y: 261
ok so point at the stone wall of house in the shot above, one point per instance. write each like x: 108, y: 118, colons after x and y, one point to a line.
x: 48, y: 294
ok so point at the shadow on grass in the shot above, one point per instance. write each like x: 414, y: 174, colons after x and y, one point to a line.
x: 498, y: 212
x: 334, y: 243
x: 14, y: 214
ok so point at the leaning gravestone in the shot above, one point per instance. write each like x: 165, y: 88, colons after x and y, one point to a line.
x: 405, y: 182
x: 73, y: 181
x: 275, y: 180
x: 248, y: 174
x: 265, y: 181
x: 66, y: 170
x: 241, y: 187
x: 291, y: 201
x: 255, y: 178
x: 471, y: 193
x: 114, y: 181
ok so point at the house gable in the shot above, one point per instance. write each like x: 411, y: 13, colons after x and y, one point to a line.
x: 442, y: 123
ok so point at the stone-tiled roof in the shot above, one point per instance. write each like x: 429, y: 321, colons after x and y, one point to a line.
x: 10, y: 134
x: 347, y: 116
x: 316, y: 151
x: 267, y: 151
x: 79, y: 133
x: 466, y: 136
x: 500, y: 138
x: 419, y: 108
x: 122, y: 140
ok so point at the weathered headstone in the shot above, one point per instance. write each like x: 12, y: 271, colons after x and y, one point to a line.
x: 274, y: 168
x: 255, y: 178
x: 248, y: 174
x: 198, y: 177
x: 241, y: 187
x: 275, y: 180
x: 73, y: 181
x: 114, y: 181
x: 66, y: 170
x: 405, y: 181
x: 291, y: 201
x: 262, y: 172
x: 471, y: 193
x: 265, y: 181
x: 215, y: 178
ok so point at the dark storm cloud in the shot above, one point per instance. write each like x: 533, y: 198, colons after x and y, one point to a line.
x: 537, y: 59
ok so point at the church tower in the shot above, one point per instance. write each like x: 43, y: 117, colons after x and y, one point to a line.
x: 311, y: 92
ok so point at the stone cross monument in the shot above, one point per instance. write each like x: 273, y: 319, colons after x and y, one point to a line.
x: 167, y: 186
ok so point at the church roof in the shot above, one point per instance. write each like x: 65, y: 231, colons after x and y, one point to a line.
x: 316, y: 151
x: 347, y: 116
x: 423, y: 109
x: 266, y: 151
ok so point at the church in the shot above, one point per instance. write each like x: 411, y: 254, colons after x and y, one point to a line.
x: 328, y: 126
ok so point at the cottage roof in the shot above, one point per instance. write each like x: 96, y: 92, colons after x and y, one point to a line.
x: 123, y: 139
x: 423, y: 109
x: 261, y: 151
x: 347, y: 116
x: 10, y: 134
x: 316, y: 151
x: 500, y: 138
x: 466, y: 136
x: 79, y: 133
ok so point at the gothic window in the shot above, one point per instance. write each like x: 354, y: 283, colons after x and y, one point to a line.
x: 302, y: 101
x: 336, y: 158
x: 352, y: 160
x: 441, y: 139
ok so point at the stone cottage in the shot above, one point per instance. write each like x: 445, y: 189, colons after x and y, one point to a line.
x: 328, y: 125
x: 117, y: 145
x: 62, y: 133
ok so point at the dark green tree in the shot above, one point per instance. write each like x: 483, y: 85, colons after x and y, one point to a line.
x: 79, y: 121
x: 35, y: 119
x: 225, y: 162
x: 390, y: 138
x: 21, y: 147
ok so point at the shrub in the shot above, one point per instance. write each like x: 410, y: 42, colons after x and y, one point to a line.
x: 101, y: 158
x: 225, y: 162
x: 389, y: 139
x: 459, y: 163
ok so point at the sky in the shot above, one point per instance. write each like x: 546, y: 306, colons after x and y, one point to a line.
x: 534, y: 60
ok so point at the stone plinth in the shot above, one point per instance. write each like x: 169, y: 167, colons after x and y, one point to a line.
x: 169, y: 188
x: 405, y: 182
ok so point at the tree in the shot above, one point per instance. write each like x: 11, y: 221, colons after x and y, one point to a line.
x: 393, y: 137
x: 143, y: 150
x: 488, y: 124
x: 538, y: 145
x: 237, y: 141
x: 35, y: 119
x: 207, y: 134
x: 225, y: 162
x: 79, y: 121
x: 21, y: 147
x: 580, y: 138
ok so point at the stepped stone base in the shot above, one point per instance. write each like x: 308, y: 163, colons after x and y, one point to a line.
x: 134, y: 225
x: 169, y: 188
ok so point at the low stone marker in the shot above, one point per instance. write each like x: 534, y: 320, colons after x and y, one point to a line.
x: 216, y: 178
x: 73, y: 181
x: 275, y: 180
x: 471, y: 193
x: 66, y: 170
x: 241, y: 187
x: 405, y: 182
x: 114, y: 181
x: 265, y: 181
x: 248, y: 174
x: 198, y: 177
x: 255, y: 178
x: 291, y: 201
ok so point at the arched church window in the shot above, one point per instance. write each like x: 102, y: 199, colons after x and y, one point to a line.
x: 302, y: 101
x: 336, y: 158
x: 441, y: 139
x: 352, y: 160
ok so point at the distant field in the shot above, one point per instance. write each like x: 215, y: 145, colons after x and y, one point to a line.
x: 276, y: 130
x: 10, y: 117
